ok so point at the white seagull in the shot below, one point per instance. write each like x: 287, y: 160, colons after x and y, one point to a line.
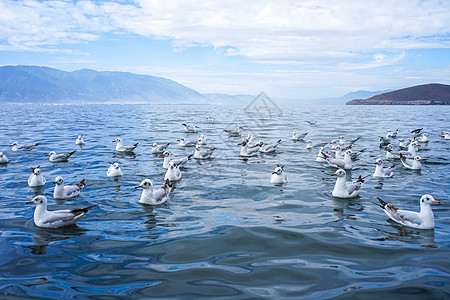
x: 114, y: 170
x: 390, y: 152
x: 68, y: 191
x: 415, y: 132
x: 412, y: 164
x: 247, y: 151
x: 203, y: 153
x: 420, y: 220
x: 153, y: 197
x: 3, y: 158
x: 403, y: 144
x: 234, y: 133
x: 278, y: 176
x: 183, y: 143
x: 63, y: 157
x: 423, y: 138
x: 201, y: 140
x: 36, y: 178
x: 173, y: 172
x: 270, y: 147
x: 383, y: 172
x: 345, y: 163
x: 180, y: 162
x: 344, y: 189
x: 298, y: 137
x: 79, y: 141
x: 157, y: 149
x: 16, y: 147
x: 120, y: 147
x: 321, y: 156
x: 191, y: 129
x: 56, y: 218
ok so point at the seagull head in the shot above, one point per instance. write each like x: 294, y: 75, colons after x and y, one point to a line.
x: 339, y: 173
x: 36, y: 171
x: 51, y: 153
x: 379, y: 161
x: 428, y: 199
x: 145, y: 184
x: 38, y: 200
x: 59, y: 180
x: 165, y: 154
x: 14, y: 144
x: 117, y: 140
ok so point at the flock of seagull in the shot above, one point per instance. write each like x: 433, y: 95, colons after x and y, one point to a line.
x: 340, y: 155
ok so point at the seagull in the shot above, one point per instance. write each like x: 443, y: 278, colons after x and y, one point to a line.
x: 180, y: 162
x: 415, y: 132
x: 298, y: 137
x: 309, y: 144
x: 184, y: 143
x: 270, y: 147
x: 278, y: 176
x: 312, y: 123
x: 120, y: 147
x: 321, y: 156
x: 203, y: 153
x: 251, y: 141
x: 211, y: 119
x: 345, y: 163
x: 420, y: 220
x: 3, y: 158
x: 413, y: 164
x: 56, y: 218
x: 446, y: 136
x: 69, y: 191
x: 384, y: 141
x: 201, y: 140
x: 16, y: 147
x: 79, y: 141
x: 153, y: 197
x: 157, y: 149
x: 383, y: 172
x: 246, y: 151
x: 344, y: 189
x: 391, y: 134
x: 191, y: 129
x: 412, y: 150
x: 173, y: 172
x: 443, y: 133
x: 232, y: 133
x: 64, y: 157
x: 390, y: 153
x: 403, y: 144
x: 36, y: 178
x: 423, y: 138
x: 114, y: 170
x: 348, y: 143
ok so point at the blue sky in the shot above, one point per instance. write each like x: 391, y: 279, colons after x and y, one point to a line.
x: 288, y: 49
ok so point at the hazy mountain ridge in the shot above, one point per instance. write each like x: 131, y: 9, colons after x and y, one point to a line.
x: 25, y: 84
x: 347, y: 97
x: 425, y: 94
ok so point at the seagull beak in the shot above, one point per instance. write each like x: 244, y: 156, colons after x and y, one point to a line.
x: 139, y: 186
x: 435, y: 201
x: 334, y: 174
x: 29, y: 202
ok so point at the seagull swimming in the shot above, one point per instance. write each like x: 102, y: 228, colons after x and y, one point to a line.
x: 179, y: 162
x: 278, y: 176
x: 269, y: 148
x: 68, y: 191
x: 36, y: 178
x: 183, y: 143
x: 420, y: 220
x: 173, y: 172
x: 211, y: 119
x: 3, y: 158
x: 246, y: 151
x: 345, y: 163
x: 79, y: 141
x: 114, y: 170
x: 344, y: 189
x: 56, y: 218
x: 153, y: 197
x: 203, y: 153
x: 120, y: 147
x: 191, y: 129
x: 298, y: 137
x: 234, y: 133
x: 201, y: 140
x: 423, y: 138
x: 383, y: 172
x: 63, y: 157
x: 312, y: 123
x: 16, y: 147
x: 403, y: 144
x: 415, y: 132
x: 322, y: 155
x: 412, y: 164
x: 157, y: 149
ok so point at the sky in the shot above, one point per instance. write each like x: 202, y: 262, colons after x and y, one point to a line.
x: 298, y: 50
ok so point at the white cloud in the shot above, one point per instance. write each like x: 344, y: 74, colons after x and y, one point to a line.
x: 281, y: 32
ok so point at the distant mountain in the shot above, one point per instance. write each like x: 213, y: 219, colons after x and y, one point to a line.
x: 426, y: 94
x: 347, y: 97
x: 24, y: 84
x: 229, y: 99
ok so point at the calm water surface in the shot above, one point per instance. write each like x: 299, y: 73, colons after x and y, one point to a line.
x: 226, y: 231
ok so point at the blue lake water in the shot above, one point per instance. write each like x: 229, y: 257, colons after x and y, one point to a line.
x: 225, y: 231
